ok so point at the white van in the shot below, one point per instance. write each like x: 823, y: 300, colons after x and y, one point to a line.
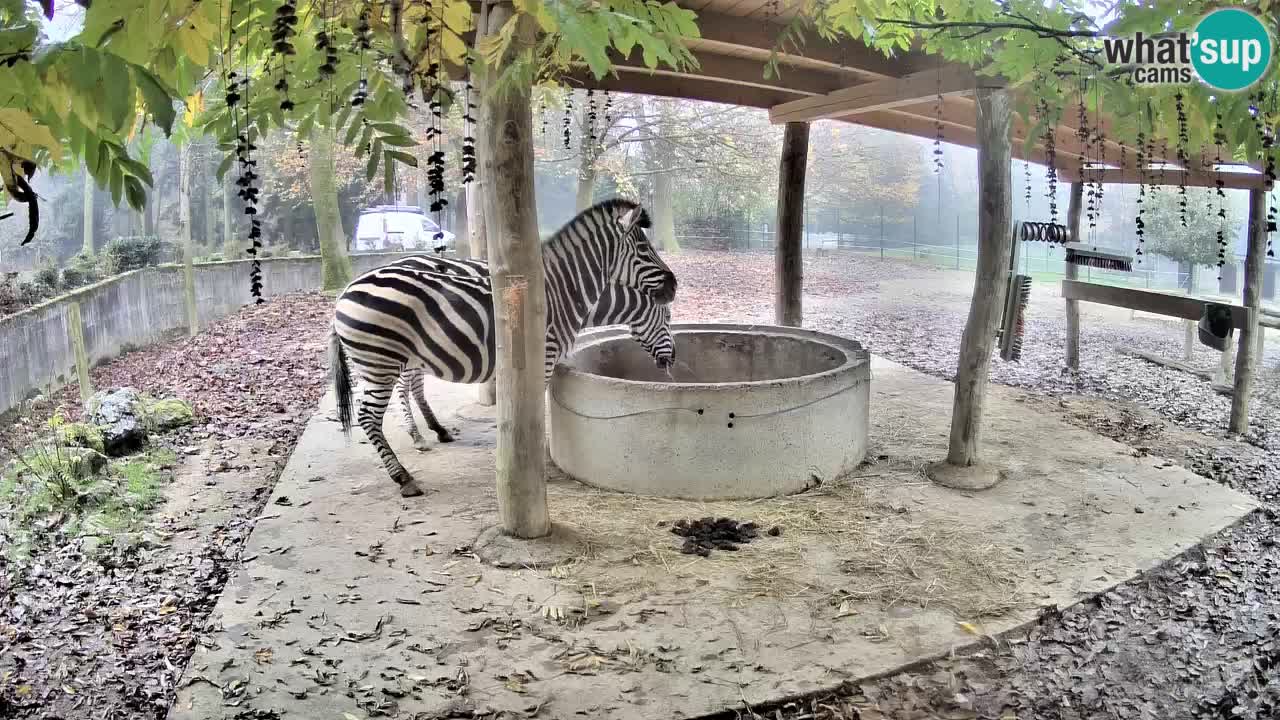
x: 384, y: 228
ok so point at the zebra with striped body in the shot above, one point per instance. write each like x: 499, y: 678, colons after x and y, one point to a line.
x: 648, y: 321
x: 400, y: 316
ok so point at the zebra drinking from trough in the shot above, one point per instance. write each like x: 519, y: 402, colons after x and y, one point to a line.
x: 400, y: 316
x: 648, y: 321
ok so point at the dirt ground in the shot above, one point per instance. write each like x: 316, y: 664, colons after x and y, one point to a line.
x: 871, y: 572
x: 1198, y: 637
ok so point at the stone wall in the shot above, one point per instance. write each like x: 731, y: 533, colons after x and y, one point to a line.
x: 135, y: 309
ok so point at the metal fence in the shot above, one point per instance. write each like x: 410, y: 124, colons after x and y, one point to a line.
x: 1039, y: 260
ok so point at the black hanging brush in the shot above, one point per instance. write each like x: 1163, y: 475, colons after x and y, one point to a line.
x: 1093, y: 256
x: 1013, y: 324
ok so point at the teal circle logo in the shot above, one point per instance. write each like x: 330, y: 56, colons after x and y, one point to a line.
x: 1230, y: 49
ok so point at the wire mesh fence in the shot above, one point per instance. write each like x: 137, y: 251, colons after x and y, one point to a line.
x: 1042, y: 261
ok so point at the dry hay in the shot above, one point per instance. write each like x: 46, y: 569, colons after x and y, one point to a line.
x: 839, y: 545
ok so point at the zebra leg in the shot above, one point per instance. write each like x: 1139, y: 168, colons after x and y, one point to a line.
x: 415, y: 384
x: 373, y: 409
x: 406, y: 405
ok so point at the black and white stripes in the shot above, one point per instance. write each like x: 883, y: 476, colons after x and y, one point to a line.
x: 648, y: 321
x: 411, y: 315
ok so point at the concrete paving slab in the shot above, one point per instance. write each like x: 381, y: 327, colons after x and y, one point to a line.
x: 353, y: 602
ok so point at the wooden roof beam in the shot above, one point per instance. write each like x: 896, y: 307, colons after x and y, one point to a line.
x: 726, y: 32
x: 926, y: 128
x: 741, y: 71
x: 1171, y: 176
x: 882, y: 95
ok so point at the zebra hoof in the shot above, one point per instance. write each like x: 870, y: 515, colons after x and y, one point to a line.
x: 420, y: 444
x: 445, y: 437
x: 410, y: 489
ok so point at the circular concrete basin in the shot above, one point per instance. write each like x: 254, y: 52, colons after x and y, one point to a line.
x: 749, y: 411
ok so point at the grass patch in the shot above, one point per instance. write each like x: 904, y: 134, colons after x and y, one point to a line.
x: 50, y: 495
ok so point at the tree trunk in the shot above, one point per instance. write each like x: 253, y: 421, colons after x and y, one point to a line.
x: 230, y: 248
x: 87, y: 246
x: 479, y: 245
x: 1073, y: 306
x: 519, y: 293
x: 664, y: 215
x: 995, y: 211
x: 788, y: 308
x: 335, y: 265
x: 462, y: 221
x: 586, y: 186
x: 1248, y: 357
x: 188, y: 239
x: 210, y: 168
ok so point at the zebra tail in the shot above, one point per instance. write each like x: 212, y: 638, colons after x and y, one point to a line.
x: 341, y: 381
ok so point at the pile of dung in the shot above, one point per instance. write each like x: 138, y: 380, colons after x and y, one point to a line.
x: 709, y: 533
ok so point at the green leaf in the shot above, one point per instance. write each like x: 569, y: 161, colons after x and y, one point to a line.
x: 399, y: 141
x: 372, y: 168
x: 119, y: 91
x: 387, y: 128
x: 352, y: 132
x: 224, y: 166
x: 135, y: 193
x: 117, y: 184
x: 403, y: 157
x: 159, y: 101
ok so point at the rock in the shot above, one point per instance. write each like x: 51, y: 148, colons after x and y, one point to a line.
x: 81, y: 435
x: 120, y: 415
x: 170, y: 413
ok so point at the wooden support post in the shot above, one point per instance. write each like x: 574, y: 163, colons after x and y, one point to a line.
x: 479, y: 248
x: 1245, y: 364
x: 520, y: 301
x: 1073, y: 307
x: 1222, y: 376
x: 188, y: 241
x: 75, y: 335
x: 789, y: 256
x: 995, y: 243
x: 487, y: 394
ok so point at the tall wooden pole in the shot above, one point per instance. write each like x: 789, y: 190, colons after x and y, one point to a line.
x: 789, y: 256
x: 520, y: 301
x: 1073, y: 306
x: 995, y: 242
x: 1247, y: 356
x: 188, y: 241
x: 487, y: 395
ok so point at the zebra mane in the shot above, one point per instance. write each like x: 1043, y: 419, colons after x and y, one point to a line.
x: 613, y: 207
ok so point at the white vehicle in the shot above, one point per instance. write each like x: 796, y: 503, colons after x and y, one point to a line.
x: 385, y: 228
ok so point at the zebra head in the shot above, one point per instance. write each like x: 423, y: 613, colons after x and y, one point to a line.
x: 636, y: 263
x: 653, y: 331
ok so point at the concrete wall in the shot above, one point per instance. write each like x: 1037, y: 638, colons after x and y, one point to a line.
x: 135, y: 309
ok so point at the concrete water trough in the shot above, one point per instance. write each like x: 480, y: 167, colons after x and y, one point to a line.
x: 749, y: 411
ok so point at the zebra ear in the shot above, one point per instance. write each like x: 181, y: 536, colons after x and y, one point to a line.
x: 631, y: 218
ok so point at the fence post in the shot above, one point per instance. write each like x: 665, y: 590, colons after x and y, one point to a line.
x: 881, y: 231
x: 75, y: 334
x: 957, y: 241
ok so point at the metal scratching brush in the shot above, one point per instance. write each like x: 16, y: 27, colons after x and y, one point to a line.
x: 1012, y: 326
x: 1094, y: 256
x: 1018, y: 291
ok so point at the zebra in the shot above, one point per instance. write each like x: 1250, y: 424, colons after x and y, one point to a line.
x: 648, y: 321
x: 400, y: 316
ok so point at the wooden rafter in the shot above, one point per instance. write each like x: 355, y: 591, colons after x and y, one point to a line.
x: 1171, y: 176
x: 881, y: 95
